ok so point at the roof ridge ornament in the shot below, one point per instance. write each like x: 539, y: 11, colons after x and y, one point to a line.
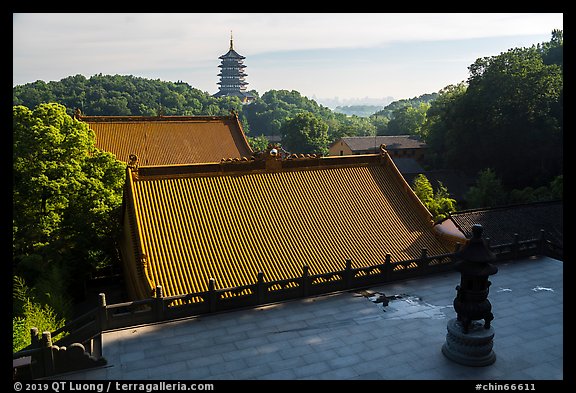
x: 235, y: 159
x: 133, y: 162
x: 302, y: 156
x: 383, y: 150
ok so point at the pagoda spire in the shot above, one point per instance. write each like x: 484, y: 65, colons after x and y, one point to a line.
x: 231, y: 42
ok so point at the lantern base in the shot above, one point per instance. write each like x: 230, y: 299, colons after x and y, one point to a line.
x: 470, y: 349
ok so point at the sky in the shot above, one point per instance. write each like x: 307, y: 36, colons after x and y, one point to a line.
x: 334, y: 58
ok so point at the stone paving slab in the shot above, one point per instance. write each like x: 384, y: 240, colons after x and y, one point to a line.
x: 349, y: 336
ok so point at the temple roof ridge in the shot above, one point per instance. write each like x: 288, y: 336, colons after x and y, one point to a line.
x: 269, y: 160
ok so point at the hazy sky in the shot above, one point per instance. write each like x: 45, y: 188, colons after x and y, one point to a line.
x: 345, y: 55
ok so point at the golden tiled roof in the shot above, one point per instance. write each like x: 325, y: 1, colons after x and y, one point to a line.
x: 169, y: 140
x: 228, y: 221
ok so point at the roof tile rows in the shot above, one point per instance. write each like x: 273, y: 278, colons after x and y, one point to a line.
x: 169, y: 140
x: 501, y: 223
x: 230, y: 221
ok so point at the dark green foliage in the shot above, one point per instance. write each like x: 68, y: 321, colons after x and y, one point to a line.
x: 116, y: 95
x: 268, y: 114
x: 28, y: 312
x: 305, y: 133
x: 408, y: 120
x: 403, y: 117
x: 488, y: 191
x: 508, y: 117
x: 441, y: 121
x: 258, y: 143
x: 66, y: 200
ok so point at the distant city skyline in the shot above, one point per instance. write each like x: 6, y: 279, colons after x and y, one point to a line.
x: 340, y: 58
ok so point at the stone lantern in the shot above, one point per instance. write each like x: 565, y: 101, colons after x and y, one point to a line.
x: 468, y: 341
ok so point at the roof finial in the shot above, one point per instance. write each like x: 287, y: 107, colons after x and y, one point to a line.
x: 231, y: 44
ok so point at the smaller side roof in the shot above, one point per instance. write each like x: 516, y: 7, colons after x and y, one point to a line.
x: 170, y: 140
x: 502, y: 222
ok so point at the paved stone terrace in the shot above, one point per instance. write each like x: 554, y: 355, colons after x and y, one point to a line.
x: 352, y: 335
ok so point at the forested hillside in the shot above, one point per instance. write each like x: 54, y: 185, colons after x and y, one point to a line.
x: 123, y: 95
x: 508, y: 116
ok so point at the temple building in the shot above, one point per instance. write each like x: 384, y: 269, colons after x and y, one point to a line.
x: 232, y: 76
x: 398, y: 146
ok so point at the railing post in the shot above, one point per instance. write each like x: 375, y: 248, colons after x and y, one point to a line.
x: 159, y: 304
x: 36, y: 367
x: 348, y: 274
x: 34, y: 339
x: 387, y: 268
x: 47, y: 354
x: 515, y: 246
x: 212, y: 294
x: 96, y: 344
x: 260, y: 287
x: 102, y: 313
x: 542, y: 242
x: 305, y: 280
x: 423, y: 258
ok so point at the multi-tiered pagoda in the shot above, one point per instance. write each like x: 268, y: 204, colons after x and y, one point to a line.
x: 232, y: 75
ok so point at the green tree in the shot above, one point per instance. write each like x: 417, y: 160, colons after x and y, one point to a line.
x: 552, y: 51
x: 267, y: 114
x: 258, y: 143
x: 552, y: 191
x: 29, y: 313
x: 380, y: 123
x: 557, y: 187
x: 33, y: 94
x: 438, y: 203
x: 423, y: 189
x: 305, y: 133
x: 487, y: 191
x: 408, y: 120
x: 66, y: 195
x: 395, y: 106
x: 442, y: 120
x: 350, y: 126
x: 510, y: 118
x: 443, y: 203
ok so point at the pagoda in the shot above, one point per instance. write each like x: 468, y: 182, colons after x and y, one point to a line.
x: 232, y: 75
